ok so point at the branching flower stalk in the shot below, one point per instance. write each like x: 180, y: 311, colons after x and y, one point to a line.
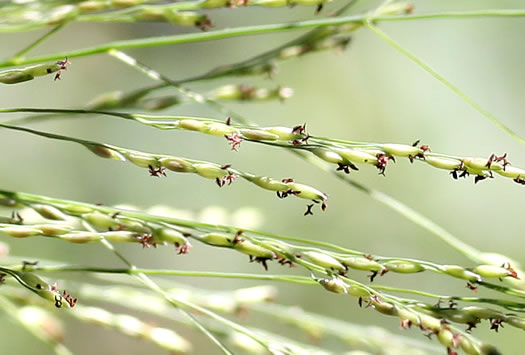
x: 344, y: 154
x: 317, y: 262
x: 222, y: 174
x: 136, y: 227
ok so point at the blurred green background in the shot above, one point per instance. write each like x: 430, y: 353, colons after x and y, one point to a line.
x: 368, y: 93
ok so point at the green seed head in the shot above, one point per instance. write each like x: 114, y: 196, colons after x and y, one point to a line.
x: 121, y: 236
x: 443, y: 163
x: 328, y: 155
x: 53, y: 229
x: 512, y: 172
x: 284, y: 133
x: 81, y: 237
x: 360, y: 263
x: 358, y: 291
x: 210, y: 171
x: 220, y: 129
x: 324, y: 260
x: 307, y: 192
x: 178, y: 165
x: 357, y: 156
x: 42, y: 69
x: 15, y: 77
x: 217, y: 239
x: 446, y: 337
x: 249, y: 248
x: 404, y: 267
x: 401, y: 150
x: 192, y: 125
x: 334, y: 285
x: 169, y: 235
x: 101, y: 220
x: 258, y: 135
x: 104, y: 152
x: 461, y: 273
x: 49, y: 212
x: 141, y: 160
x: 269, y: 184
x: 20, y: 231
x: 491, y: 271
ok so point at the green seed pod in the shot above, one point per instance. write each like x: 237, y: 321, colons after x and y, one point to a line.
x: 258, y: 135
x: 141, y: 160
x: 483, y: 313
x: 49, y: 212
x: 443, y: 163
x: 169, y: 235
x: 42, y: 288
x: 357, y: 156
x: 476, y: 163
x: 307, y: 192
x: 401, y: 150
x: 404, y: 267
x: 101, y: 220
x: 491, y: 271
x: 335, y: 285
x: 446, y: 337
x: 217, y: 239
x: 385, y: 308
x: 21, y: 231
x: 360, y: 263
x: 461, y: 273
x: 324, y: 260
x: 358, y: 291
x: 76, y: 209
x: 81, y: 237
x: 210, y: 171
x: 42, y: 69
x: 121, y: 236
x: 219, y: 129
x: 105, y: 152
x: 284, y: 133
x: 53, y: 229
x: 249, y: 248
x: 469, y: 347
x: 15, y: 76
x: 405, y: 314
x: 430, y: 322
x: 328, y: 155
x: 178, y: 165
x: 269, y: 184
x: 512, y: 172
x: 192, y: 125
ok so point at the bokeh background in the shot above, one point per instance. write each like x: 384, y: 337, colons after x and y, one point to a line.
x: 370, y: 92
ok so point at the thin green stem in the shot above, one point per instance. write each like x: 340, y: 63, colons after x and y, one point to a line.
x: 163, y: 272
x: 245, y: 31
x: 19, y: 55
x: 444, y: 81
